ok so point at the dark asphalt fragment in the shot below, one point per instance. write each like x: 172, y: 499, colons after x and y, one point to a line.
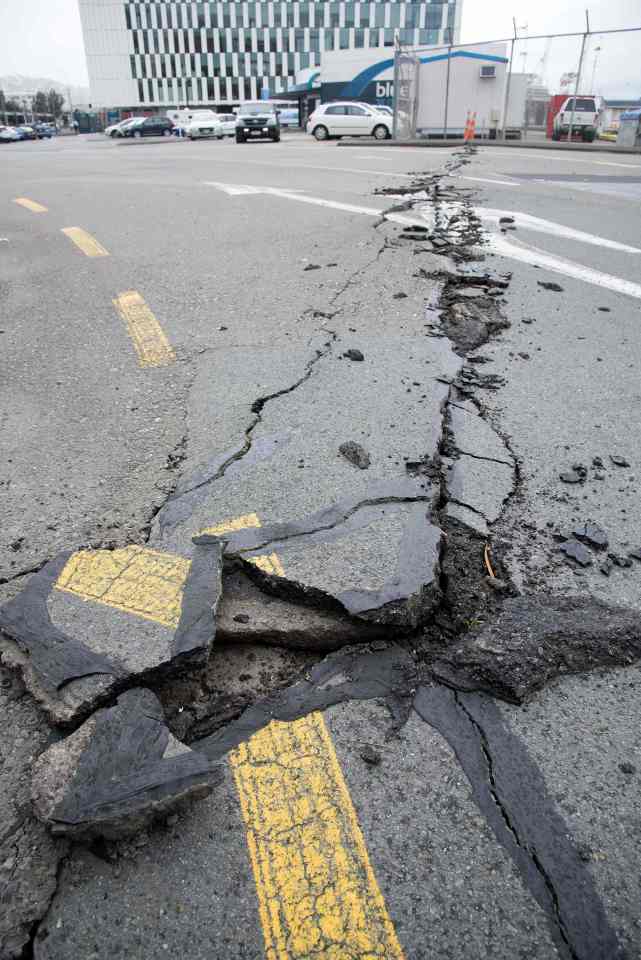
x: 592, y: 534
x: 353, y: 354
x: 548, y: 285
x: 620, y: 560
x: 399, y: 296
x: 577, y: 474
x: 311, y: 266
x: 370, y: 755
x: 506, y: 219
x: 619, y: 461
x: 574, y: 550
x: 534, y: 639
x: 356, y: 454
x: 115, y: 774
x: 635, y: 553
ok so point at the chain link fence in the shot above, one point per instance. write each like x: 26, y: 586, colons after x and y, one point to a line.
x: 552, y: 86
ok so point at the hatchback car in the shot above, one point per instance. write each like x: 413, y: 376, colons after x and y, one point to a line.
x: 9, y: 134
x: 349, y: 120
x: 147, y: 127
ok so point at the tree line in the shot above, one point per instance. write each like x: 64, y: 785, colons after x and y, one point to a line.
x: 44, y: 101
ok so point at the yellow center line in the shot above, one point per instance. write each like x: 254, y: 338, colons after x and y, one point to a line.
x: 149, y: 340
x: 317, y: 893
x: 30, y: 205
x: 88, y: 244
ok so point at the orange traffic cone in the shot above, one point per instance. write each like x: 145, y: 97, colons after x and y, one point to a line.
x: 466, y: 131
x: 472, y: 126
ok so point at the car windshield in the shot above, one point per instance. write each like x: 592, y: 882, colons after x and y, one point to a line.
x: 255, y: 109
x: 582, y: 106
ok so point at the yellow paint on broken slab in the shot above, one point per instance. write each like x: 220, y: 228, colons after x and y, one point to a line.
x: 85, y: 242
x: 268, y: 563
x: 32, y: 205
x: 137, y: 580
x: 148, y: 337
x: 317, y: 892
x: 143, y: 582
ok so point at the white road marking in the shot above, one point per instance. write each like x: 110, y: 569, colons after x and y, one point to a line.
x: 539, y: 225
x: 539, y: 258
x: 571, y: 158
x: 503, y: 183
x: 497, y: 243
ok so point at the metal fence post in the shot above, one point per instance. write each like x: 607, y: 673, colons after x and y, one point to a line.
x: 507, y: 85
x: 396, y: 85
x: 578, y: 75
x: 447, y: 89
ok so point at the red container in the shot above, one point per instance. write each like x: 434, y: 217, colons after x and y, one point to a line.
x: 553, y: 108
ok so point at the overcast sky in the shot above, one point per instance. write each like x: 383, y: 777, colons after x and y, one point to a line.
x: 43, y: 38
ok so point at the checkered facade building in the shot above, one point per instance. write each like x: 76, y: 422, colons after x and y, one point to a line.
x: 141, y: 52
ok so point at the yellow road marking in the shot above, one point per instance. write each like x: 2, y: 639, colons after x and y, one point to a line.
x: 30, y: 205
x: 135, y: 579
x: 88, y: 244
x: 143, y: 582
x: 317, y: 893
x: 150, y: 342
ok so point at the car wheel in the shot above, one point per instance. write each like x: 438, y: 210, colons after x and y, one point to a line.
x: 220, y: 137
x: 137, y: 134
x: 239, y: 138
x: 321, y: 133
x: 166, y: 133
x: 380, y: 132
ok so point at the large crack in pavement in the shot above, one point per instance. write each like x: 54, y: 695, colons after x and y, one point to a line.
x: 402, y: 538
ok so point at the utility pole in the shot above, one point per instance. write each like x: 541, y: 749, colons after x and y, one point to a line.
x: 447, y: 82
x: 578, y: 74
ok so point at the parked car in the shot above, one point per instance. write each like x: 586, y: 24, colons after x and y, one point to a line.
x: 586, y: 122
x: 349, y: 120
x: 257, y: 121
x: 115, y: 128
x: 228, y: 123
x: 44, y: 130
x: 9, y: 135
x: 27, y: 133
x: 204, y: 127
x: 147, y: 127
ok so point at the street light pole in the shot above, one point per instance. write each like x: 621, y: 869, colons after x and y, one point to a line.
x: 578, y: 74
x: 597, y: 50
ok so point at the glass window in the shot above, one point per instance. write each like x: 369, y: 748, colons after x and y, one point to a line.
x: 349, y: 14
x: 379, y: 18
x: 359, y: 38
x: 411, y: 15
x: 434, y: 17
x: 304, y: 61
x: 335, y: 111
x: 373, y: 38
x: 127, y: 17
x: 299, y: 40
x: 334, y: 14
x: 357, y: 112
x: 314, y: 40
x: 132, y: 66
x: 329, y: 39
x: 344, y: 39
x: 141, y: 95
x: 395, y: 14
x: 388, y: 37
x: 304, y: 15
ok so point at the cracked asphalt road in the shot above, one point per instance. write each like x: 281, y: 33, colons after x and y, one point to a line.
x: 492, y: 830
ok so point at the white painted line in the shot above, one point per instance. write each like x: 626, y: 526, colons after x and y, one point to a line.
x: 570, y: 158
x: 497, y: 243
x: 539, y: 225
x: 515, y: 250
x: 503, y: 183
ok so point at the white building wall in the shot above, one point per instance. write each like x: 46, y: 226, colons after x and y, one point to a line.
x: 108, y: 47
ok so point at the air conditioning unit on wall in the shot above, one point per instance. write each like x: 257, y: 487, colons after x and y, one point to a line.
x: 488, y: 72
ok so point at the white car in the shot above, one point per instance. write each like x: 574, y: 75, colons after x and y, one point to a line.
x: 8, y: 134
x: 349, y: 120
x: 228, y: 123
x: 203, y: 127
x: 115, y: 128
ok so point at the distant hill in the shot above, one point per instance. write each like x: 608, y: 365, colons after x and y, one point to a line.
x: 13, y: 84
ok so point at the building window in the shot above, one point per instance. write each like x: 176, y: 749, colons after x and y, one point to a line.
x: 434, y: 17
x: 141, y: 95
x: 343, y: 39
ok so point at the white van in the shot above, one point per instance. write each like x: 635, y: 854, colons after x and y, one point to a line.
x: 587, y: 118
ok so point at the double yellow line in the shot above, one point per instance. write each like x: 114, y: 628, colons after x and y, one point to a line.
x: 149, y: 340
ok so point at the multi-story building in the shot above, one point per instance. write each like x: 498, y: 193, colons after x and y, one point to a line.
x: 158, y: 54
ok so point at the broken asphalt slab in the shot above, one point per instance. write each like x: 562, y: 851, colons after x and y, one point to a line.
x: 377, y: 559
x: 382, y: 550
x: 537, y: 638
x: 89, y: 625
x: 117, y: 772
